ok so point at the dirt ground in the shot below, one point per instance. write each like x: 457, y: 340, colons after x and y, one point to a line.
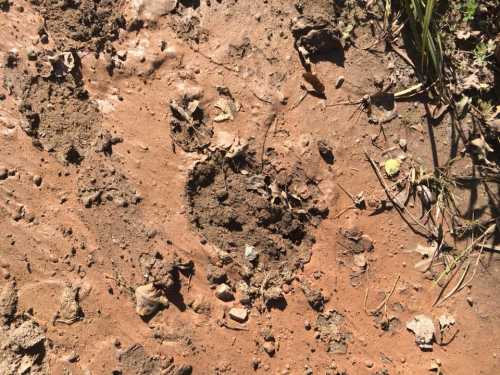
x: 174, y: 198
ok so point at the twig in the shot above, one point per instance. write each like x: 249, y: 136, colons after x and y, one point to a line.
x: 300, y: 100
x: 213, y: 61
x: 452, y: 265
x: 347, y: 102
x: 261, y: 99
x: 403, y: 55
x: 386, y: 299
x: 344, y: 211
x: 442, y: 343
x: 345, y: 191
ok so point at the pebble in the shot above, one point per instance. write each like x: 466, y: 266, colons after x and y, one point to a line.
x: 238, y: 314
x: 366, y: 242
x: 269, y: 348
x: 4, y: 173
x: 37, y: 180
x: 403, y: 144
x: 307, y: 325
x: 255, y: 363
x: 224, y: 293
x: 360, y: 260
x: 32, y: 54
x: 185, y: 370
x: 71, y: 357
x: 250, y: 253
x: 338, y: 83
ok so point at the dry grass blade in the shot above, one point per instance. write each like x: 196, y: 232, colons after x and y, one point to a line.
x: 466, y: 251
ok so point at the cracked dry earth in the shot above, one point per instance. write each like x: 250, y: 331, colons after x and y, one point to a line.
x: 172, y: 203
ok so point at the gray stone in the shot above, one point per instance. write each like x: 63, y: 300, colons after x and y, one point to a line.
x: 238, y: 314
x: 224, y: 293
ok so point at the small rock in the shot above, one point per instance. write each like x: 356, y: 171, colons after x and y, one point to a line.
x: 224, y: 293
x: 70, y: 311
x: 4, y: 173
x: 216, y: 275
x: 369, y: 364
x: 32, y: 54
x: 8, y: 302
x: 378, y: 81
x: 307, y: 325
x: 338, y: 83
x: 360, y: 260
x: 314, y: 297
x: 255, y: 363
x: 184, y: 370
x: 250, y: 253
x: 37, y: 180
x: 27, y: 335
x: 366, y: 242
x: 403, y: 144
x: 269, y: 348
x: 273, y: 296
x: 470, y: 301
x: 238, y: 314
x: 435, y: 365
x: 149, y: 300
x: 326, y: 152
x: 71, y: 357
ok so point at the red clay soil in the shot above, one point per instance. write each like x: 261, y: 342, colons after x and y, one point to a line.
x: 181, y: 152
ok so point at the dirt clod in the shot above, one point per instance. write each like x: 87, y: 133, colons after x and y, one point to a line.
x: 260, y: 212
x: 423, y: 328
x: 314, y: 297
x: 8, y: 302
x: 69, y: 310
x: 269, y: 348
x: 149, y: 299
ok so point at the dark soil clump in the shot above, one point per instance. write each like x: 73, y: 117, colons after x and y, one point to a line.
x: 261, y: 219
x: 81, y: 24
x: 71, y: 134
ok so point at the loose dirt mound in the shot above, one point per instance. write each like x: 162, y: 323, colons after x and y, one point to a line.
x: 59, y: 115
x: 78, y: 24
x: 260, y: 217
x: 44, y: 100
